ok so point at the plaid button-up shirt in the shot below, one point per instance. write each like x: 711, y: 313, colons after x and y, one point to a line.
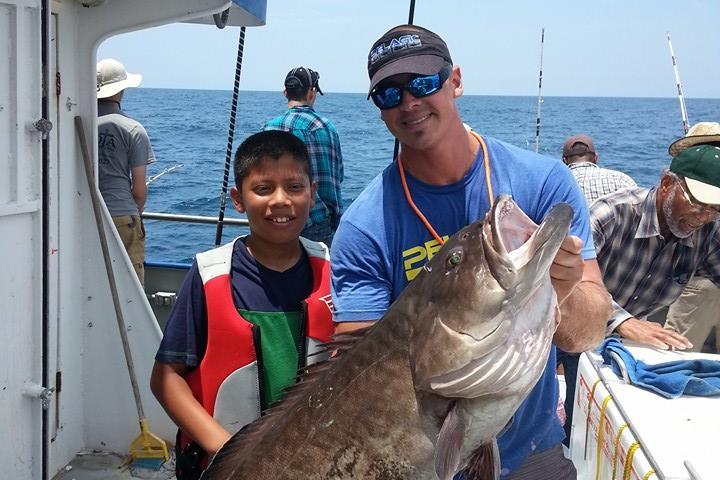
x: 642, y: 271
x: 596, y: 182
x: 323, y: 144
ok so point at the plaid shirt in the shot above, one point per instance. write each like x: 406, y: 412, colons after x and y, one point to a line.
x: 596, y: 182
x: 641, y: 270
x: 323, y: 144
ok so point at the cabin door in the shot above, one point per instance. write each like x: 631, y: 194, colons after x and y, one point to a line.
x: 23, y: 141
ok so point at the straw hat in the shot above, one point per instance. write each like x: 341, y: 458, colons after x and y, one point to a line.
x: 702, y: 132
x: 112, y: 78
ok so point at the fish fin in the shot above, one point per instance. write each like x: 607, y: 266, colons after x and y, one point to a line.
x: 449, y: 444
x: 484, y: 463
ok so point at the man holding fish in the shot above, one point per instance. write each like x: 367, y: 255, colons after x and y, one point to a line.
x: 446, y: 177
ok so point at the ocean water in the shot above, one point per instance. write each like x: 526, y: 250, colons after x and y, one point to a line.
x: 189, y: 127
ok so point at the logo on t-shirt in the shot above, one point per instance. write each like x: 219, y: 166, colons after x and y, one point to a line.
x: 414, y: 258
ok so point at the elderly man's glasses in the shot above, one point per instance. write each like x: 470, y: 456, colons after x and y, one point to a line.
x: 390, y: 96
x: 695, y: 205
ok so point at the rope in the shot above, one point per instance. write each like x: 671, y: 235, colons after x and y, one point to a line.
x: 587, y: 419
x: 408, y: 196
x: 649, y: 474
x: 231, y: 134
x: 601, y: 432
x: 616, y: 450
x: 628, y: 461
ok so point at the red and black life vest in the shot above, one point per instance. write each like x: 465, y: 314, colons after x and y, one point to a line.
x: 227, y: 381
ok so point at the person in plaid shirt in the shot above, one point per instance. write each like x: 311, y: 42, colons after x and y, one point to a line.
x: 580, y: 156
x: 697, y: 311
x: 650, y: 243
x: 323, y: 144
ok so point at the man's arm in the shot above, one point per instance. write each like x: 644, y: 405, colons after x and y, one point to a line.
x: 651, y: 333
x: 584, y: 301
x: 139, y: 187
x: 344, y: 327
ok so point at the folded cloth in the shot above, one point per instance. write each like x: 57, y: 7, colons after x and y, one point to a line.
x: 700, y: 377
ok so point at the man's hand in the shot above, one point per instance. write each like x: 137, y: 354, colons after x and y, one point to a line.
x: 651, y: 333
x: 566, y: 270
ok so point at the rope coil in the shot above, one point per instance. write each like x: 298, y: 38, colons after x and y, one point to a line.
x: 231, y: 135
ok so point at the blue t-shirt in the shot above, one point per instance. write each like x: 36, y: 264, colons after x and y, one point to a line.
x: 254, y: 288
x: 381, y: 245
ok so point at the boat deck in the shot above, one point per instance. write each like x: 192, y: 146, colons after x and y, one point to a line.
x: 111, y: 466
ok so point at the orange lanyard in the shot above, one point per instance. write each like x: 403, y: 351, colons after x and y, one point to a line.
x: 423, y: 219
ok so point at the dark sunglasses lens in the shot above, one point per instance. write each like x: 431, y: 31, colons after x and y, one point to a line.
x: 387, y: 97
x: 423, y: 86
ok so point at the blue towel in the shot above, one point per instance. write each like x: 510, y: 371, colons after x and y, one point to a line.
x: 698, y: 377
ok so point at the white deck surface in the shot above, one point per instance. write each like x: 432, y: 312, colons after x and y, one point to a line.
x: 111, y: 466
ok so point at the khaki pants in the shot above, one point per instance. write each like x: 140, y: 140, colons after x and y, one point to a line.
x: 696, y: 312
x: 132, y: 233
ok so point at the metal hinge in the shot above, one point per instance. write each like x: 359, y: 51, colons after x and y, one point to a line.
x: 44, y: 394
x: 43, y: 126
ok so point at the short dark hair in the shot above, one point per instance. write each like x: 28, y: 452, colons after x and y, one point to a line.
x: 271, y: 144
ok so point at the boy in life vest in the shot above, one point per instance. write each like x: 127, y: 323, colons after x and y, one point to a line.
x: 249, y: 313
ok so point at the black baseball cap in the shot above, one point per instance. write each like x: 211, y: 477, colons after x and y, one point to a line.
x: 301, y: 79
x: 406, y: 49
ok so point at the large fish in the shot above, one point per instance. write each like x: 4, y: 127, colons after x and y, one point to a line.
x: 427, y: 389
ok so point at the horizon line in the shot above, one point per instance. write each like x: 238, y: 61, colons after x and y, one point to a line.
x: 464, y: 95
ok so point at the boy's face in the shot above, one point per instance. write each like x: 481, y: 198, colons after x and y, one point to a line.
x: 277, y: 197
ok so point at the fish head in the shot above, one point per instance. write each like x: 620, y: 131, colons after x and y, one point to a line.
x: 488, y: 307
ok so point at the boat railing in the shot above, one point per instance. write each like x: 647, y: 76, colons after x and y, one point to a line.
x: 163, y: 279
x: 174, y: 217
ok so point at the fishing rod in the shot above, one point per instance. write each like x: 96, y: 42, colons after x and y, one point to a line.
x: 152, y: 178
x: 411, y: 17
x: 540, y: 100
x: 683, y: 110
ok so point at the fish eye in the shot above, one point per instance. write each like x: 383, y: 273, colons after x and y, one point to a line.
x: 454, y: 259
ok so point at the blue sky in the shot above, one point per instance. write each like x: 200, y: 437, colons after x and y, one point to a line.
x: 599, y: 48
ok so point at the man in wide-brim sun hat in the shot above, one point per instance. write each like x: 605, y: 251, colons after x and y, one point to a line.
x: 695, y: 313
x: 124, y: 151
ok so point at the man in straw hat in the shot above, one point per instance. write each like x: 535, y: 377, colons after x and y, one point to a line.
x: 382, y: 243
x: 651, y: 243
x: 124, y: 151
x: 697, y: 310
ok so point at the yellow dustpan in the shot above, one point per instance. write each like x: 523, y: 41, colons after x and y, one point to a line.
x: 148, y: 450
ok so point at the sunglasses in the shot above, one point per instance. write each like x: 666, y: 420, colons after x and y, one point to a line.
x: 390, y: 96
x: 695, y: 205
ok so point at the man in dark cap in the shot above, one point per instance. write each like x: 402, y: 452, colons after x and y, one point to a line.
x: 323, y: 144
x: 580, y: 156
x: 650, y: 243
x: 382, y: 244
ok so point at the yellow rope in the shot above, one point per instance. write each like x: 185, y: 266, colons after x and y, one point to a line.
x: 601, y: 431
x: 649, y: 474
x: 628, y: 460
x: 587, y: 419
x: 616, y: 445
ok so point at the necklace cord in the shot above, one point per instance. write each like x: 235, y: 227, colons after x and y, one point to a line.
x: 408, y: 196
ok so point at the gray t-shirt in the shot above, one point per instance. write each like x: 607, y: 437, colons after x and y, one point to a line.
x: 122, y: 145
